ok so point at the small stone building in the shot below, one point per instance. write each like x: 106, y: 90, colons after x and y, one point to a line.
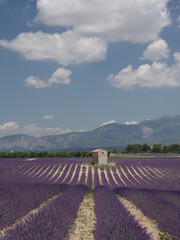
x: 100, y: 156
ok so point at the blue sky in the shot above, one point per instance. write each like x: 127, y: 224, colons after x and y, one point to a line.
x: 75, y: 65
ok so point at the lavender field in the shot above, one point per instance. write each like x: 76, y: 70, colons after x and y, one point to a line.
x: 53, y: 198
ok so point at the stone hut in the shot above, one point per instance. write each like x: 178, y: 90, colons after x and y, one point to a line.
x: 100, y: 156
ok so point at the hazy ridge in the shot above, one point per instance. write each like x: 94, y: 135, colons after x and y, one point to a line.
x: 164, y: 130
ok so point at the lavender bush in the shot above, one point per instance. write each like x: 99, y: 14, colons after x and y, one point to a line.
x: 113, y: 221
x: 76, y: 176
x: 89, y: 178
x: 16, y: 200
x: 158, y: 206
x: 96, y: 178
x: 52, y: 222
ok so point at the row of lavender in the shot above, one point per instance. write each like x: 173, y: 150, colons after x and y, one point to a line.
x: 9, y: 165
x: 55, y: 219
x: 51, y: 222
x: 69, y: 174
x: 151, y: 162
x: 161, y: 206
x: 18, y: 199
x: 113, y: 221
x: 127, y: 173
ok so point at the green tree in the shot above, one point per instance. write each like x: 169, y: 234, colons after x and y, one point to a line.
x: 157, y: 148
x: 165, y: 149
x: 145, y: 148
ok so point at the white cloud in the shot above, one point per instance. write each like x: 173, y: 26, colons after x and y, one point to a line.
x: 108, y: 122
x: 156, y: 50
x: 35, y: 82
x: 156, y: 75
x: 9, y: 126
x: 131, y: 122
x: 66, y: 48
x: 60, y: 76
x: 34, y: 130
x: 48, y: 117
x: 112, y: 20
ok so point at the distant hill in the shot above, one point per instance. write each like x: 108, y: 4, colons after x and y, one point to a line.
x: 164, y: 130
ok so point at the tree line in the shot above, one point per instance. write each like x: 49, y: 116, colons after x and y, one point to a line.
x: 44, y: 154
x: 156, y: 148
x: 131, y: 148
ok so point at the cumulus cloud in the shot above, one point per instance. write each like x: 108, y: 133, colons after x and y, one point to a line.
x: 65, y: 48
x: 9, y: 126
x: 108, y: 122
x: 131, y: 122
x: 48, y: 117
x: 60, y: 76
x: 34, y: 130
x: 112, y: 20
x: 35, y: 82
x: 156, y: 50
x: 156, y: 75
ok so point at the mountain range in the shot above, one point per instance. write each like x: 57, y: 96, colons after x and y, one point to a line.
x: 164, y: 130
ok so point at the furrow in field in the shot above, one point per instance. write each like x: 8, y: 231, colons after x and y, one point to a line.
x: 132, y: 175
x: 20, y: 171
x: 121, y: 178
x: 160, y: 172
x: 76, y: 176
x: 105, y: 173
x: 155, y: 180
x: 99, y: 173
x: 59, y: 173
x: 49, y: 173
x: 14, y: 171
x: 62, y: 174
x: 55, y: 173
x: 73, y: 174
x: 42, y: 174
x: 160, y: 181
x: 83, y: 172
x: 147, y: 172
x: 86, y: 173
x: 26, y: 218
x: 38, y: 170
x: 32, y: 171
x: 29, y: 170
x: 126, y: 177
x: 140, y: 176
x: 67, y: 174
x: 112, y: 174
x: 150, y: 225
x: 35, y: 176
x: 149, y: 178
x: 85, y: 222
x: 92, y: 169
x: 80, y: 173
x: 163, y: 177
x: 155, y: 173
